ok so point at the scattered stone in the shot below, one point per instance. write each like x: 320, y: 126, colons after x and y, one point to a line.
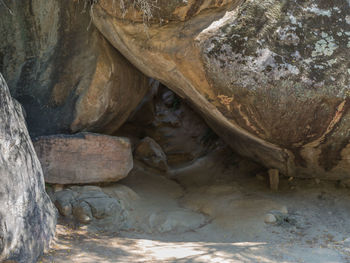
x: 290, y: 179
x: 274, y: 179
x: 27, y: 216
x: 317, y: 181
x: 284, y: 210
x: 149, y: 152
x: 270, y: 219
x: 84, y: 158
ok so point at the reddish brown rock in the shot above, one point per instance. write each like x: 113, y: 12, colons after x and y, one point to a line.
x: 84, y: 158
x: 149, y: 152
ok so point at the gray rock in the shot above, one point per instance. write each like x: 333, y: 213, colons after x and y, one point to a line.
x: 122, y: 193
x: 63, y: 201
x: 270, y: 219
x: 103, y: 207
x: 82, y: 212
x: 27, y: 216
x: 284, y: 210
x: 90, y: 205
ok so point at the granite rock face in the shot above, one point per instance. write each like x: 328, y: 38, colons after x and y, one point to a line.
x: 84, y: 158
x: 164, y: 119
x: 27, y: 216
x: 63, y: 71
x: 270, y: 77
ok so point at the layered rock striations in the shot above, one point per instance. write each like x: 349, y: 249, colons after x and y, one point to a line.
x: 63, y: 71
x: 271, y: 77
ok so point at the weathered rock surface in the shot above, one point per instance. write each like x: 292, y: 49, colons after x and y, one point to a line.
x: 90, y: 205
x: 117, y: 207
x: 271, y: 77
x: 63, y: 71
x: 122, y: 193
x: 149, y: 152
x: 84, y: 158
x: 27, y: 216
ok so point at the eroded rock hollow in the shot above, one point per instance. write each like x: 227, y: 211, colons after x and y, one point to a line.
x: 270, y: 77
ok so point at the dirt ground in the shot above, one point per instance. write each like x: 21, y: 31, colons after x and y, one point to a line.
x: 313, y: 223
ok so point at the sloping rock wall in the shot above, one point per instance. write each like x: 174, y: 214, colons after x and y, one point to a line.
x: 63, y: 71
x: 27, y: 216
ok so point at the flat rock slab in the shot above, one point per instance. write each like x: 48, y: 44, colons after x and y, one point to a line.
x: 84, y: 158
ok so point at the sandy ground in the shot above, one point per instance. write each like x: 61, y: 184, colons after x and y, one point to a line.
x: 315, y: 229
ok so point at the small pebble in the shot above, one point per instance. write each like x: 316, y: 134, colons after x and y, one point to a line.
x: 284, y: 210
x: 317, y: 181
x: 290, y: 179
x: 270, y: 219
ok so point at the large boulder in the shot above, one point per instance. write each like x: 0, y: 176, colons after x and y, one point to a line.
x: 63, y: 71
x: 84, y: 158
x: 27, y: 216
x: 271, y: 77
x: 149, y: 152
